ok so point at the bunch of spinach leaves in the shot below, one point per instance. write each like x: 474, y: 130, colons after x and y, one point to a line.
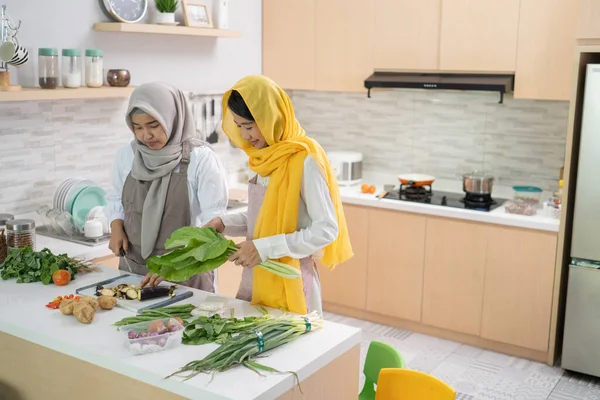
x: 196, y: 250
x: 27, y: 265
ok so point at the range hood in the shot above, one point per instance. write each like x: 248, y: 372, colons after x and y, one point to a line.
x: 416, y: 80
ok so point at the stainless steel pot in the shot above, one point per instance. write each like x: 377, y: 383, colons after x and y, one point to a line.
x: 477, y: 182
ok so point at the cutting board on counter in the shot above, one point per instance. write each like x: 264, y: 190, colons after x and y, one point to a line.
x: 181, y: 293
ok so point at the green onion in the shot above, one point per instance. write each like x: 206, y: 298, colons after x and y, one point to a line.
x: 243, y: 347
x: 181, y: 311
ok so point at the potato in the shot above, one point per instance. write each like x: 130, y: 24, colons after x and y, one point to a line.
x: 84, y: 312
x: 91, y: 301
x: 66, y: 306
x: 107, y: 302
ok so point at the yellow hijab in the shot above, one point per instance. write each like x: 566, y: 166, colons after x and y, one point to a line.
x: 283, y: 162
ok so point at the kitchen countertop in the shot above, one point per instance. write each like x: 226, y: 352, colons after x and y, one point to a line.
x: 353, y: 195
x: 22, y: 314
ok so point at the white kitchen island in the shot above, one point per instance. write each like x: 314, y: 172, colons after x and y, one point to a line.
x: 47, y: 355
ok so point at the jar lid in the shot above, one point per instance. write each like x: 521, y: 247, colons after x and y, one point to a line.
x: 93, y: 53
x: 47, y: 51
x: 71, y: 52
x: 4, y: 218
x: 20, y: 225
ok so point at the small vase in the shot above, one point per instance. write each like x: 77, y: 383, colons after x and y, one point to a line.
x: 165, y: 18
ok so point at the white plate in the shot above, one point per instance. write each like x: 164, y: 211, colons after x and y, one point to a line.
x: 63, y: 194
x: 58, y: 193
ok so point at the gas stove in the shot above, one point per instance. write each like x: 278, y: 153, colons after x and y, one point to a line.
x: 425, y: 195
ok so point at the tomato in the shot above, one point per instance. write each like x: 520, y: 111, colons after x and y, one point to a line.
x: 61, y: 277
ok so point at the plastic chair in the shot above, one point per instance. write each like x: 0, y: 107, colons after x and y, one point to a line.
x: 406, y: 384
x: 380, y: 355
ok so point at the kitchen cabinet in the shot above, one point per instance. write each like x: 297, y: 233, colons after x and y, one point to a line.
x: 111, y: 261
x: 289, y: 43
x: 407, y: 34
x: 545, y: 49
x: 455, y: 254
x: 479, y: 35
x: 344, y: 44
x: 519, y: 279
x: 395, y: 259
x: 588, y: 15
x: 345, y: 285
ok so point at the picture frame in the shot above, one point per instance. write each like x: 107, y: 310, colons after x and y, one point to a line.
x: 196, y: 14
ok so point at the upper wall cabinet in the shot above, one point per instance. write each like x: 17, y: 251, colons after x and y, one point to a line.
x: 479, y: 35
x: 407, y: 34
x: 289, y: 42
x: 344, y: 32
x: 587, y: 20
x: 545, y: 49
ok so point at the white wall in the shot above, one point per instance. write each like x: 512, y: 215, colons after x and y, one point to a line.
x: 191, y: 63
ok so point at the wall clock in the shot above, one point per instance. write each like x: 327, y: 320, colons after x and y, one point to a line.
x: 130, y: 11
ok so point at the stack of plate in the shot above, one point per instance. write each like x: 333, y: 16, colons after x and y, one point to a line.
x: 78, y: 197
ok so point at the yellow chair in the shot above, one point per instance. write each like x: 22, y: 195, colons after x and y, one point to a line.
x: 406, y: 384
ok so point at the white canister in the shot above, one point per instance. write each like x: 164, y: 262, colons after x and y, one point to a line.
x: 222, y: 14
x: 347, y: 166
x: 93, y: 229
x: 94, y: 68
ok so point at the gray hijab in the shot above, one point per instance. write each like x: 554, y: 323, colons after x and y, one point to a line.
x: 170, y: 108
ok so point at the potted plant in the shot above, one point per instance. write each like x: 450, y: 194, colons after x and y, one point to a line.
x: 166, y: 11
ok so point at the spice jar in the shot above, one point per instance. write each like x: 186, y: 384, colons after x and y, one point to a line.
x: 71, y: 68
x: 4, y: 218
x: 94, y: 76
x: 20, y: 233
x: 48, y: 68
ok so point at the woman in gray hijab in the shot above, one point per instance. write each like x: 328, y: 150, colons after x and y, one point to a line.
x: 163, y: 180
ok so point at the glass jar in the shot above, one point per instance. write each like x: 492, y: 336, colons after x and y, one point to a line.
x: 4, y: 218
x: 71, y: 68
x: 48, y: 68
x: 20, y: 233
x: 3, y: 246
x: 94, y: 76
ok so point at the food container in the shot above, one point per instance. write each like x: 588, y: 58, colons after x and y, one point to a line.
x: 4, y: 218
x: 20, y: 233
x: 94, y: 67
x: 71, y: 68
x: 528, y: 194
x: 118, y: 77
x: 48, y: 68
x: 520, y: 208
x: 3, y: 246
x: 477, y: 182
x: 150, y: 337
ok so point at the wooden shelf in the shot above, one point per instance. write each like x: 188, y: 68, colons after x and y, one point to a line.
x: 164, y: 30
x: 33, y: 94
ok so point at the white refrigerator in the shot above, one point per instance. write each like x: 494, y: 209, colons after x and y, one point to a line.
x: 581, y: 344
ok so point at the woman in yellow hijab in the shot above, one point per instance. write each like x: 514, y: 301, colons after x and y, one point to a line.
x: 294, y: 206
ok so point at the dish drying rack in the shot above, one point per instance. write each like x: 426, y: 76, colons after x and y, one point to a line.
x: 8, y: 30
x: 57, y: 225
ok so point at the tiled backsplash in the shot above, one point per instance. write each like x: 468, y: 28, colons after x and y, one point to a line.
x: 443, y: 133
x: 43, y: 143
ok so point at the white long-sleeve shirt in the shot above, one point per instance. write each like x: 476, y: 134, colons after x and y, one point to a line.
x: 206, y: 178
x: 317, y: 221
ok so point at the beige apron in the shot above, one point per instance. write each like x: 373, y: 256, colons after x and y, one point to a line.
x: 308, y: 268
x: 176, y: 214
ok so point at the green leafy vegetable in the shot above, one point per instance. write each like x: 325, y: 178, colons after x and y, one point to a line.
x: 199, y: 250
x: 216, y: 329
x: 26, y: 265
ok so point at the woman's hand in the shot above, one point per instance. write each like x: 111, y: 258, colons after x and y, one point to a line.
x: 247, y: 256
x: 151, y: 280
x: 216, y: 224
x: 118, y: 238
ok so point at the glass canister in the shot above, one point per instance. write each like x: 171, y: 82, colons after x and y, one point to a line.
x: 48, y: 68
x: 94, y: 68
x: 20, y: 233
x: 4, y: 218
x: 71, y: 68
